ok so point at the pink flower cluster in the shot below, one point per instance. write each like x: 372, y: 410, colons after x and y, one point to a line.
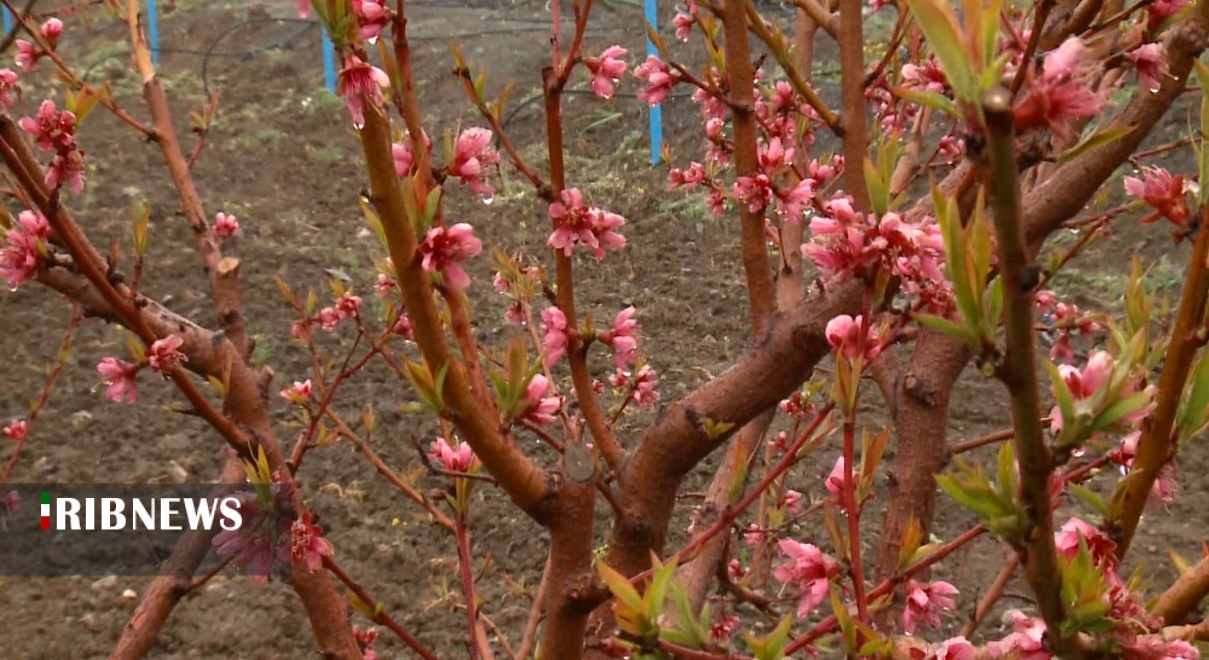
x: 346, y: 307
x: 119, y: 377
x: 1085, y: 387
x: 25, y: 249
x: 641, y: 385
x: 554, y: 334
x: 28, y: 53
x: 853, y: 338
x: 55, y: 130
x: 659, y: 78
x: 851, y: 244
x: 623, y: 338
x: 1165, y: 485
x: 361, y: 83
x: 460, y: 459
x: 1065, y: 319
x: 225, y: 225
x: 445, y: 248
x: 17, y: 430
x: 540, y: 405
x: 164, y: 356
x: 472, y: 153
x: 1164, y: 193
x: 8, y: 83
x: 372, y: 18
x: 1061, y: 93
x: 405, y: 160
x: 925, y: 602
x: 578, y: 224
x: 808, y: 570
x: 606, y: 70
x: 298, y: 393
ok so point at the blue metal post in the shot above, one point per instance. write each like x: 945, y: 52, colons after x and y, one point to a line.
x: 153, y: 31
x: 329, y: 63
x: 652, y: 17
x: 8, y: 20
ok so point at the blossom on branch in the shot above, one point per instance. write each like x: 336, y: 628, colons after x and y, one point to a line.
x: 659, y: 80
x: 606, y: 70
x: 1165, y: 193
x: 808, y: 570
x: 471, y: 153
x: 852, y: 338
x: 164, y: 356
x: 925, y: 602
x: 623, y: 338
x: 51, y: 128
x: 361, y: 83
x: 25, y: 248
x: 119, y: 377
x: 8, y: 83
x: 17, y: 430
x: 554, y: 334
x: 372, y: 18
x: 298, y: 393
x: 445, y: 248
x: 225, y: 225
x: 307, y: 545
x: 539, y: 405
x: 461, y: 459
x: 1061, y: 93
x: 578, y: 224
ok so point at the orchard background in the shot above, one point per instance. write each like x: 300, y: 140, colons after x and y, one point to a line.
x: 282, y: 156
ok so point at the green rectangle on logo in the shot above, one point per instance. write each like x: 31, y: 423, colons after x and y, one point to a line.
x: 45, y: 497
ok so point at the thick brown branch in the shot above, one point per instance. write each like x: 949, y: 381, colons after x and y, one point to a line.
x: 1183, y: 597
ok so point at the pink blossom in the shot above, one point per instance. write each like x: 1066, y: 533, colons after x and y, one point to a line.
x: 471, y: 153
x: 1149, y: 60
x: 753, y: 191
x: 27, y: 55
x: 1026, y: 641
x: 348, y: 305
x: 578, y: 224
x: 52, y: 29
x: 301, y: 329
x: 461, y: 459
x: 792, y: 501
x: 402, y: 327
x: 225, y: 225
x: 404, y: 158
x: 328, y: 318
x: 659, y: 80
x: 851, y: 338
x: 304, y: 8
x: 808, y: 570
x: 119, y: 376
x: 372, y: 18
x: 8, y: 83
x: 792, y: 204
x: 17, y: 430
x: 688, y: 179
x: 365, y: 641
x: 684, y: 25
x: 723, y: 629
x: 254, y: 549
x: 957, y: 648
x: 641, y: 385
x: 538, y: 406
x: 951, y: 148
x: 835, y: 480
x: 1085, y: 384
x: 307, y: 545
x: 51, y: 129
x: 1099, y: 546
x: 361, y: 83
x: 66, y: 167
x: 25, y: 248
x: 554, y: 334
x: 298, y: 393
x: 606, y: 70
x: 1061, y: 93
x: 1165, y: 193
x: 623, y: 338
x: 925, y: 602
x: 384, y: 285
x: 927, y: 77
x: 444, y: 250
x: 164, y: 356
x: 1160, y: 10
x: 735, y: 570
x: 1154, y: 647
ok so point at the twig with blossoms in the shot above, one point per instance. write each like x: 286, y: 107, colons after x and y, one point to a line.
x: 780, y: 51
x: 18, y: 429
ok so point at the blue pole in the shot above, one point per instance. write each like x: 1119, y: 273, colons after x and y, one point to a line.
x: 153, y: 30
x: 652, y: 17
x: 329, y: 63
x: 8, y: 20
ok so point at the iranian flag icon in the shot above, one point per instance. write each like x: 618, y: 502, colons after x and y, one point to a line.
x: 45, y: 510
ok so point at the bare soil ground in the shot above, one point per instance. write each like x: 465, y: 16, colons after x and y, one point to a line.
x: 282, y: 157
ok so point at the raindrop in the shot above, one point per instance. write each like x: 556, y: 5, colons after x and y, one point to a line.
x: 488, y: 199
x: 547, y: 5
x: 359, y: 125
x: 372, y: 40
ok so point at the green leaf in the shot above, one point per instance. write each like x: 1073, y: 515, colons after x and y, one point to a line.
x: 771, y: 647
x: 1094, y: 141
x: 1089, y: 497
x: 933, y: 100
x: 619, y: 586
x: 1066, y: 402
x: 1194, y: 409
x: 950, y: 328
x: 938, y: 22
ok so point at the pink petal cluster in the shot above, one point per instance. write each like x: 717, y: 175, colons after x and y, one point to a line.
x: 1165, y: 193
x: 554, y: 334
x: 471, y: 154
x: 1085, y: 383
x: 120, y: 378
x: 372, y: 18
x: 55, y: 130
x: 361, y: 83
x: 17, y: 430
x: 808, y: 570
x: 347, y: 305
x: 957, y: 648
x: 606, y: 70
x: 539, y: 405
x: 298, y: 393
x: 8, y: 83
x: 925, y: 602
x: 1061, y: 93
x: 461, y: 459
x: 754, y: 192
x: 1165, y: 485
x: 307, y: 545
x: 445, y: 248
x: 623, y: 338
x: 254, y: 549
x: 850, y: 244
x: 1064, y: 319
x: 1025, y: 642
x: 225, y: 225
x: 1154, y: 647
x: 405, y: 160
x: 641, y: 385
x: 304, y: 8
x: 25, y: 245
x: 1149, y: 61
x: 1159, y: 11
x: 1099, y: 546
x: 384, y: 285
x: 926, y: 76
x: 28, y: 53
x: 164, y: 355
x: 365, y: 641
x: 659, y: 80
x: 835, y: 481
x: 579, y: 224
x: 853, y: 338
x: 684, y: 20
x: 723, y: 629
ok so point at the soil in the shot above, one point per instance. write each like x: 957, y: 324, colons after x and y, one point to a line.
x: 282, y: 157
